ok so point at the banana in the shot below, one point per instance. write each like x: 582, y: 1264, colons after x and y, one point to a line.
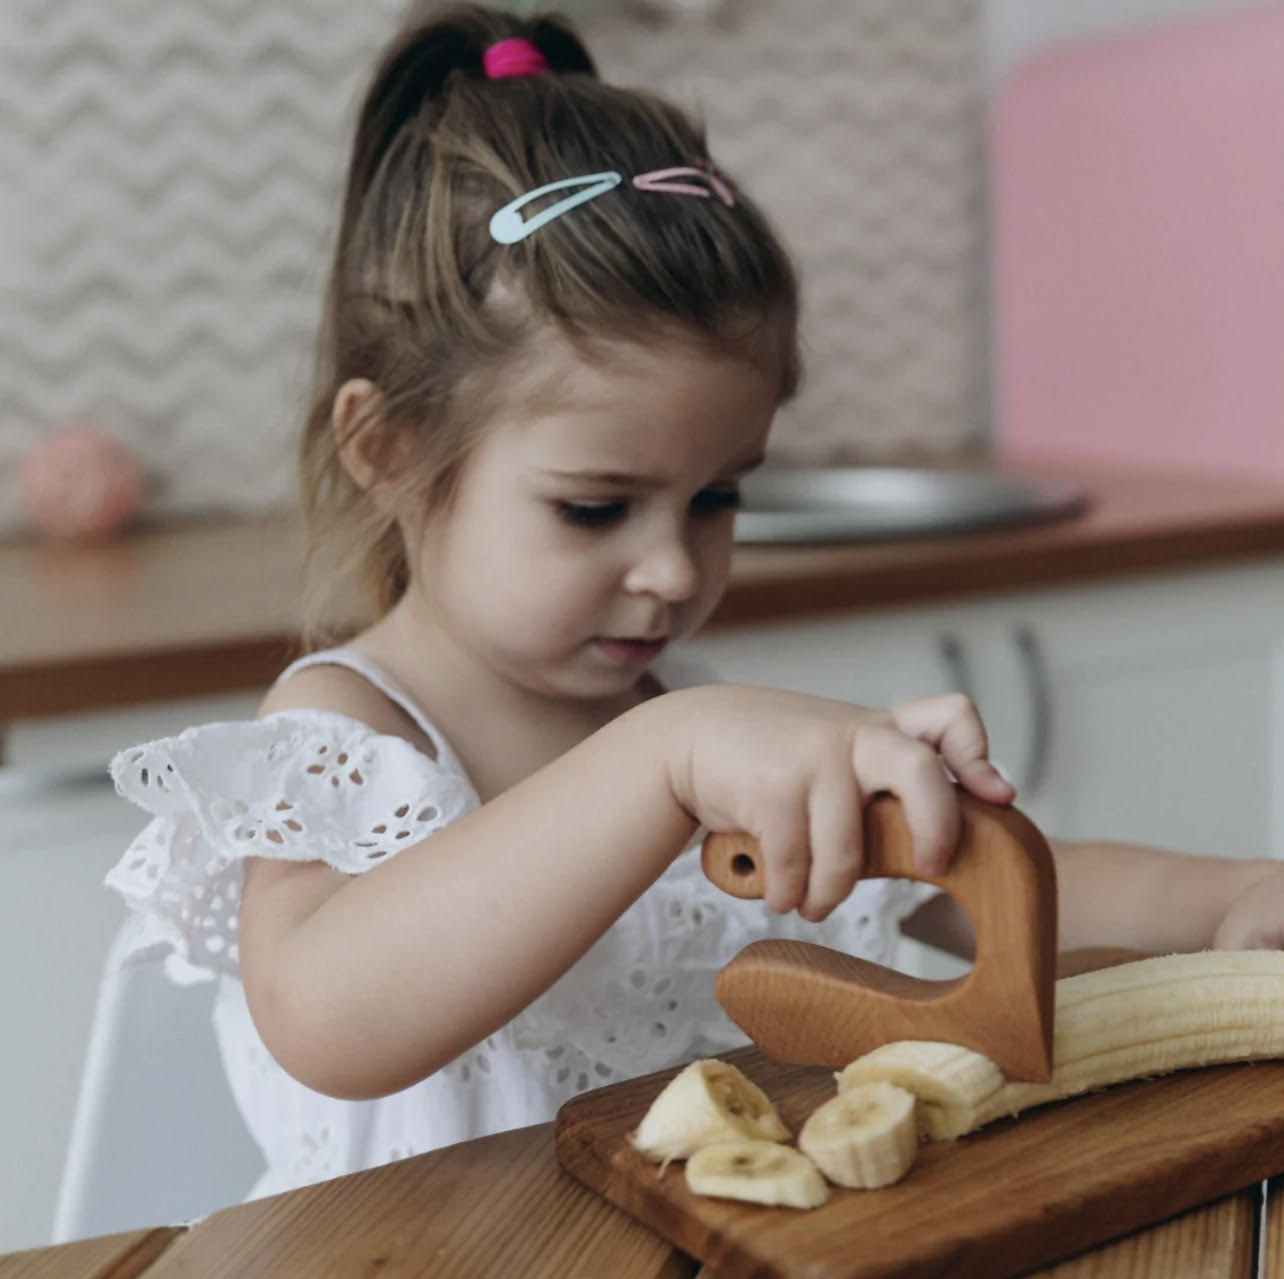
x: 950, y: 1082
x: 763, y: 1172
x: 864, y: 1138
x: 1134, y: 1021
x: 709, y: 1101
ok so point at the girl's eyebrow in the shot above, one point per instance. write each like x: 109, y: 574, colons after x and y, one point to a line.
x: 624, y: 480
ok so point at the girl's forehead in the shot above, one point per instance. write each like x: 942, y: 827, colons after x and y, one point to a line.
x: 557, y: 368
x: 647, y: 409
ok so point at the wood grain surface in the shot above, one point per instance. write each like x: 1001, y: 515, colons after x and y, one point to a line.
x: 1272, y: 1230
x: 124, y: 1256
x: 1019, y: 1194
x: 419, y: 1218
x: 1214, y: 1242
x: 484, y: 1209
x: 503, y: 1206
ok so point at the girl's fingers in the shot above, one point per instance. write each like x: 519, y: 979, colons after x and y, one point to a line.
x: 836, y: 819
x: 952, y: 724
x: 786, y: 856
x: 913, y: 772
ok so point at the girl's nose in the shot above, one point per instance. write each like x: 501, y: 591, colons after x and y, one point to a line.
x: 668, y: 571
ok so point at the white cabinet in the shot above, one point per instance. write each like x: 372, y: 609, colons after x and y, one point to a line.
x: 1146, y: 709
x: 1142, y: 710
x: 873, y: 660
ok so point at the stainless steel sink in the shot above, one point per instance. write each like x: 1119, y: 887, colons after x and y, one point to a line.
x: 869, y: 503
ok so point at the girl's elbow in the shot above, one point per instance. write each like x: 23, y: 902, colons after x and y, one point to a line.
x: 332, y: 1059
x: 332, y: 1069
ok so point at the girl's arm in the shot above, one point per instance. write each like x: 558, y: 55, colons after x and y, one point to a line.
x: 361, y: 986
x: 1124, y: 895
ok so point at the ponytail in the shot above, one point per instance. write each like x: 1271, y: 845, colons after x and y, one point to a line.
x: 434, y: 46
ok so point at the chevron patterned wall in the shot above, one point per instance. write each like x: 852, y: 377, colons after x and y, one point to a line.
x: 860, y: 125
x: 168, y: 170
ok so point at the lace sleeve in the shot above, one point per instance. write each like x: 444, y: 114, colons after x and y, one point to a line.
x: 300, y: 785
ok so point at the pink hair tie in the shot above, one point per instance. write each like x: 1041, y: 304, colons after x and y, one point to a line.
x: 513, y: 57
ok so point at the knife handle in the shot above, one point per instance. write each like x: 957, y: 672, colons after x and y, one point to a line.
x: 733, y: 861
x: 806, y: 1003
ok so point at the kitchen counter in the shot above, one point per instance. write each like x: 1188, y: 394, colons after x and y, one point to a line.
x: 202, y: 607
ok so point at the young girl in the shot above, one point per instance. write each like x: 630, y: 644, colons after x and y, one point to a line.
x: 450, y: 875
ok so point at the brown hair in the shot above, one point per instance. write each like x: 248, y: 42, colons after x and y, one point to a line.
x: 427, y: 306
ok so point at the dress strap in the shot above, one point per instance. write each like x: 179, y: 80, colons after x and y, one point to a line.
x: 355, y: 660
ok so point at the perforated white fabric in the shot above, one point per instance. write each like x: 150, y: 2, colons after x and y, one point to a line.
x: 302, y: 785
x: 307, y: 785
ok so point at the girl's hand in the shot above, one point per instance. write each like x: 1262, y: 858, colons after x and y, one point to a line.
x: 1255, y: 919
x: 795, y: 771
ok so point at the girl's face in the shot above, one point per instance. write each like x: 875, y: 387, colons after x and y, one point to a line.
x: 602, y: 512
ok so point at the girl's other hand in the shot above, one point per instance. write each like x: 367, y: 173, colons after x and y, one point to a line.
x: 795, y: 772
x: 1255, y: 918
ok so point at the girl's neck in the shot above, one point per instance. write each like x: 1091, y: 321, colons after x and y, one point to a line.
x: 501, y: 732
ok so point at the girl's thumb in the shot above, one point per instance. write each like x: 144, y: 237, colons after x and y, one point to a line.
x: 988, y: 780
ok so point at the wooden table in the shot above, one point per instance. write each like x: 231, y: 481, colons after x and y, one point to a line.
x: 210, y: 606
x: 501, y: 1206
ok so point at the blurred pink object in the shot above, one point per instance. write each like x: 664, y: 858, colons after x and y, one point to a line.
x: 80, y: 484
x: 1139, y: 248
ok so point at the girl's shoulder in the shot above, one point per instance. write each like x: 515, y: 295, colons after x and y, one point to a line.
x: 333, y: 682
x: 329, y: 780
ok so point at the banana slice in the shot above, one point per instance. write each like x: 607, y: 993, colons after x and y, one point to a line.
x: 951, y: 1083
x: 865, y: 1137
x: 762, y: 1172
x: 709, y: 1101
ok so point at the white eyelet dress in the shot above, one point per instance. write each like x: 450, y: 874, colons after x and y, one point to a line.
x: 317, y: 785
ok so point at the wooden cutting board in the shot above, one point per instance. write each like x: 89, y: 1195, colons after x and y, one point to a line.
x: 1018, y: 1194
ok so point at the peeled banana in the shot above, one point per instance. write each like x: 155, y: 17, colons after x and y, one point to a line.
x: 950, y: 1082
x: 1136, y: 1020
x: 864, y: 1138
x: 709, y: 1101
x: 762, y: 1172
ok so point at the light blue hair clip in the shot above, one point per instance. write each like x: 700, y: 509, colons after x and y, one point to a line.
x: 507, y: 225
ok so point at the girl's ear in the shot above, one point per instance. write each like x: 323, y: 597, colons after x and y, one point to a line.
x: 361, y: 434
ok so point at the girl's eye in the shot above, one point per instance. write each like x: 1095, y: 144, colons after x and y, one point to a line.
x: 600, y: 514
x: 590, y: 515
x: 718, y: 499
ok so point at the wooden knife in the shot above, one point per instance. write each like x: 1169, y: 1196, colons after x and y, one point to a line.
x: 813, y: 1005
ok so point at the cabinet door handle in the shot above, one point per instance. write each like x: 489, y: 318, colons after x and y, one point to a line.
x: 1036, y: 674
x: 957, y: 669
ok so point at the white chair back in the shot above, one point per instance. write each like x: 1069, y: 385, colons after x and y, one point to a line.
x: 156, y: 1138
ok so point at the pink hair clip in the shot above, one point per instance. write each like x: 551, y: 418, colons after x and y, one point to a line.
x: 656, y: 181
x: 513, y: 58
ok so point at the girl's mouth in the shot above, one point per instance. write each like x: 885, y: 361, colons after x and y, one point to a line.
x: 631, y: 651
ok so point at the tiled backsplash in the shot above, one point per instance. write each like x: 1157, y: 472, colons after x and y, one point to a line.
x: 166, y: 182
x: 859, y: 124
